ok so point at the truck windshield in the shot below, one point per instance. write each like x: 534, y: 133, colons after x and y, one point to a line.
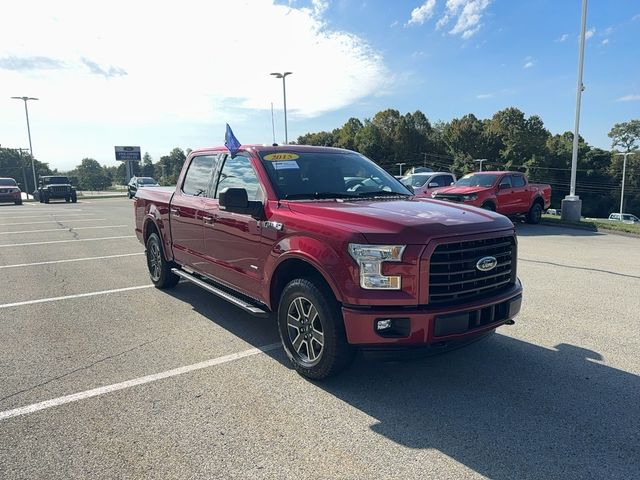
x: 477, y: 180
x: 299, y: 175
x: 8, y: 182
x: 54, y: 180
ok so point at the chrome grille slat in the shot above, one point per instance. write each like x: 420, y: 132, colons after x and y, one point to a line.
x: 453, y: 277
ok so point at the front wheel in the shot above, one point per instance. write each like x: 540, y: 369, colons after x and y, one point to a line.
x: 312, y: 329
x: 45, y: 198
x: 74, y: 198
x: 535, y: 214
x: 159, y: 268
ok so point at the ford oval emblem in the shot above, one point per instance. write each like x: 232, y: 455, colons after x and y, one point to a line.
x: 486, y: 263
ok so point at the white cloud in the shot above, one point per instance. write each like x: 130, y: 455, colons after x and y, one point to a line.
x: 589, y: 33
x: 482, y: 96
x: 629, y: 98
x: 635, y: 17
x: 528, y: 64
x: 421, y: 14
x: 469, y: 15
x: 605, y: 41
x: 185, y: 62
x: 395, y: 23
x: 563, y: 37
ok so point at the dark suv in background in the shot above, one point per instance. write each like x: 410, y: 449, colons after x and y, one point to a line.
x: 9, y: 191
x: 52, y: 187
x: 140, y: 182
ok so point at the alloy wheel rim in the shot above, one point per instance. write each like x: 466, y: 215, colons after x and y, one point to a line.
x: 305, y: 330
x: 155, y: 261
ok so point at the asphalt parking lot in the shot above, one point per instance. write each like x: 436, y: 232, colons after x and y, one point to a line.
x: 103, y: 376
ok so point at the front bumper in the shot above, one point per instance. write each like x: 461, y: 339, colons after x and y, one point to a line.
x: 9, y: 197
x: 422, y: 326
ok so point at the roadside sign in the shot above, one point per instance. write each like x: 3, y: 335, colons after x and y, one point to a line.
x: 128, y: 153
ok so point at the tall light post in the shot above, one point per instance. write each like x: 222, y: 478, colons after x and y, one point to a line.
x: 571, y: 204
x: 624, y: 170
x: 400, y: 164
x: 33, y: 166
x: 284, y: 96
x: 480, y: 160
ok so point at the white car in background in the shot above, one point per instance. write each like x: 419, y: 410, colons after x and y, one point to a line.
x: 626, y: 218
x: 424, y: 184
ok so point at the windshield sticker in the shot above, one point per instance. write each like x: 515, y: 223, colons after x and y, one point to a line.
x: 290, y: 164
x: 281, y: 156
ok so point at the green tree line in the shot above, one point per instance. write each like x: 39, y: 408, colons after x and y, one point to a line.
x: 509, y: 140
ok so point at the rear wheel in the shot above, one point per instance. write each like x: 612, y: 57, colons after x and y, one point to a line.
x: 159, y: 268
x: 535, y: 214
x: 45, y: 198
x: 312, y: 329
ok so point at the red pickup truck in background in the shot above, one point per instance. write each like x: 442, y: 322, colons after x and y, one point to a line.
x: 340, y: 249
x: 508, y: 193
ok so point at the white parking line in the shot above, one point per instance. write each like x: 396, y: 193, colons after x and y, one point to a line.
x: 64, y: 241
x: 70, y: 260
x: 68, y: 297
x: 47, y: 211
x: 55, y: 402
x: 61, y: 214
x: 54, y: 220
x: 62, y: 229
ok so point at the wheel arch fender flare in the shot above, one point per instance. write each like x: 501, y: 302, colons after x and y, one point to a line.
x: 153, y: 222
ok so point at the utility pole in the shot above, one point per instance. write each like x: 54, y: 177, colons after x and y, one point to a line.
x: 33, y: 160
x: 400, y: 165
x: 480, y: 160
x: 571, y: 204
x: 624, y: 170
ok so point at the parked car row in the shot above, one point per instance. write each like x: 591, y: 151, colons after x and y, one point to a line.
x: 9, y: 191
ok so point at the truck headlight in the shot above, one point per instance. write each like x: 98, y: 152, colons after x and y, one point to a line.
x: 370, y: 259
x: 470, y: 197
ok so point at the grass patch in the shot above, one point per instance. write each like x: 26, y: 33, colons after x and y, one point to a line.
x: 594, y: 224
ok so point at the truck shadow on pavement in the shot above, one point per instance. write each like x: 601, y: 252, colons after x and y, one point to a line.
x: 506, y: 409
x: 503, y: 407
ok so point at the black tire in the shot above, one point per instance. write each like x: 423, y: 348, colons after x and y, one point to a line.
x: 67, y: 199
x: 489, y: 206
x: 302, y: 298
x: 45, y: 198
x: 74, y: 198
x: 535, y: 214
x: 19, y: 202
x: 40, y: 199
x: 130, y: 196
x: 159, y: 267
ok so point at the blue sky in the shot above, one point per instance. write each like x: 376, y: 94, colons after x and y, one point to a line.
x: 162, y: 77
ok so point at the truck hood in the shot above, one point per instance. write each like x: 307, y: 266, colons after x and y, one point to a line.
x: 410, y: 221
x: 463, y: 190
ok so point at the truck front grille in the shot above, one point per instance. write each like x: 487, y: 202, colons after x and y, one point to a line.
x: 454, y: 277
x: 452, y: 197
x: 59, y: 189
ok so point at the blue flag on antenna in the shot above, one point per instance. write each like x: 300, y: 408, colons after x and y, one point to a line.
x: 231, y: 142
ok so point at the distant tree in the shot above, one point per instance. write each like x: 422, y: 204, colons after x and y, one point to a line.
x: 147, y: 165
x: 625, y: 135
x: 91, y: 175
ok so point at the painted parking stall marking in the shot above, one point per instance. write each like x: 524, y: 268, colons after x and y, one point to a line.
x: 61, y: 229
x: 51, y: 262
x: 65, y: 241
x: 54, y: 220
x: 55, y: 402
x: 69, y: 297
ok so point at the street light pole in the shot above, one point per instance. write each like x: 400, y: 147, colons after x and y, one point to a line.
x: 624, y: 170
x: 26, y: 111
x: 284, y: 96
x: 572, y: 205
x: 480, y: 160
x: 400, y: 165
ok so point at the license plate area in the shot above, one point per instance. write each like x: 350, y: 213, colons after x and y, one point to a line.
x: 464, y: 322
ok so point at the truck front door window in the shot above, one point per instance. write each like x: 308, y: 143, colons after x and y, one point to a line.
x: 237, y: 172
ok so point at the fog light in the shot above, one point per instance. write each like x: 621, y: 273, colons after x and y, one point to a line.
x: 383, y: 324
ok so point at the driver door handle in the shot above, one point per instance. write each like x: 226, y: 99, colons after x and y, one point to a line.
x: 175, y: 211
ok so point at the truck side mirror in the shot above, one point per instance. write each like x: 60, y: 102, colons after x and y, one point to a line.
x: 236, y: 200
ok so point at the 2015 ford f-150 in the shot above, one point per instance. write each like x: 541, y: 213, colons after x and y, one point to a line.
x: 340, y: 249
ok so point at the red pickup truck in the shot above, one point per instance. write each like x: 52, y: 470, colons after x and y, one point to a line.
x: 340, y: 249
x: 508, y: 193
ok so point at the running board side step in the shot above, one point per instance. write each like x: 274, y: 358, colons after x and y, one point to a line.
x: 246, y: 306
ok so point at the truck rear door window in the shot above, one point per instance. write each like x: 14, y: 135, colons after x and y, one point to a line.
x: 196, y: 181
x: 517, y: 181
